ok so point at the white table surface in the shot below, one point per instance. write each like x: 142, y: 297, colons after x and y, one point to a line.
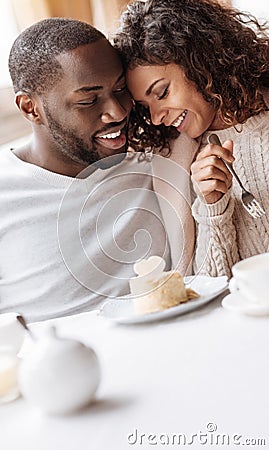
x: 180, y: 376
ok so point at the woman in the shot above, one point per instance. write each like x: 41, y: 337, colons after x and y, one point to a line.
x: 194, y: 66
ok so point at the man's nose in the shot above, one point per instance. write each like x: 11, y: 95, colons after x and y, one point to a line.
x: 114, y: 111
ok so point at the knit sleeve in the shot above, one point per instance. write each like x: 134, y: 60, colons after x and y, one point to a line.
x: 216, y: 245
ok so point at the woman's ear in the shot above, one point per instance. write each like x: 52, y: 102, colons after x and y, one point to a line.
x: 29, y: 107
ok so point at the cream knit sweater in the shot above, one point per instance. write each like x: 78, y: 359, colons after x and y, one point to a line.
x: 226, y: 232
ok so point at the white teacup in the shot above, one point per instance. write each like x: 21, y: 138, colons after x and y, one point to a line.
x: 12, y: 332
x: 251, y: 279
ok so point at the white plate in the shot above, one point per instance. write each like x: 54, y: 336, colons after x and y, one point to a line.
x: 236, y: 303
x: 121, y: 310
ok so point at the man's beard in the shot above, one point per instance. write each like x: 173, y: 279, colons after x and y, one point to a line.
x: 69, y: 145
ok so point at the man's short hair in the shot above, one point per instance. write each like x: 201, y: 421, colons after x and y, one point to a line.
x: 33, y: 65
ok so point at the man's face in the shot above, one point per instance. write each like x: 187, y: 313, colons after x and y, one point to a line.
x: 87, y: 111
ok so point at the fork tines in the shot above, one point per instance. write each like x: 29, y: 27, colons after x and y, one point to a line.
x: 254, y: 209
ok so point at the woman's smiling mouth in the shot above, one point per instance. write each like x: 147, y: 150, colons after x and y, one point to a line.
x: 180, y: 119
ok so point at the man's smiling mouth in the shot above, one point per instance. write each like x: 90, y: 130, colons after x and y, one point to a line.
x: 111, y: 135
x: 114, y: 139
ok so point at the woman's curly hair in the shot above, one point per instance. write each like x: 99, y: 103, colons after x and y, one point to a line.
x: 223, y: 51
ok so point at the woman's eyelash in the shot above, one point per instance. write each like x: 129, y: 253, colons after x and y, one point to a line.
x: 160, y: 97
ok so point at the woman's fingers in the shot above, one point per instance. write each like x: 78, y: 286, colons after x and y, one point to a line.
x: 210, y: 176
x: 212, y: 189
x: 217, y: 151
x: 210, y: 172
x: 213, y: 164
x: 209, y: 186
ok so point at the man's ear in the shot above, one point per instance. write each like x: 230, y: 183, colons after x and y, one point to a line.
x: 29, y: 107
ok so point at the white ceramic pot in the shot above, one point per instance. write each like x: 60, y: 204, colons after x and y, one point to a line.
x: 59, y: 375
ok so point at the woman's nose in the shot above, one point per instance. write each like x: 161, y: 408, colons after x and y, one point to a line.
x: 157, y: 116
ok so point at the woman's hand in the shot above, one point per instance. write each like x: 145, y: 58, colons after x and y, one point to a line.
x: 210, y: 176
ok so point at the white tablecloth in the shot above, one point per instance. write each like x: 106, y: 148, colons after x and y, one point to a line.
x: 199, y: 375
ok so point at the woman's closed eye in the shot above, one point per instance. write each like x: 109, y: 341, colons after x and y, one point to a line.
x: 163, y: 94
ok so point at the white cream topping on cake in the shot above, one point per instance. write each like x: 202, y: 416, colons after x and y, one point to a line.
x: 156, y: 289
x: 145, y: 270
x: 164, y: 292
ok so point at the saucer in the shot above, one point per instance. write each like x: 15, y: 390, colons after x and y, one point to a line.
x: 235, y: 302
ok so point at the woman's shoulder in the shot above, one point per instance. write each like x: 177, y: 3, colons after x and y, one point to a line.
x: 184, y: 149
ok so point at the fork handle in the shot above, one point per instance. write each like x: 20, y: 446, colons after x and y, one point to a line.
x: 214, y: 139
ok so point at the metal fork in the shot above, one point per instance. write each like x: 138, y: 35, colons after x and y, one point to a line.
x: 252, y: 206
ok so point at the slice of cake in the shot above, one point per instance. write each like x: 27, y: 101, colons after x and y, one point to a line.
x: 164, y: 292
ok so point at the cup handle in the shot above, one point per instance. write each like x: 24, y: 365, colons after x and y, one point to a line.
x: 233, y: 285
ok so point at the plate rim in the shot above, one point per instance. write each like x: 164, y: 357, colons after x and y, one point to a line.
x: 169, y: 312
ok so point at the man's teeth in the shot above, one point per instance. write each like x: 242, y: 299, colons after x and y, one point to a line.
x: 111, y: 135
x: 179, y: 120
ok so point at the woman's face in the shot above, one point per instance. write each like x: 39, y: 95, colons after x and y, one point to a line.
x: 171, y: 98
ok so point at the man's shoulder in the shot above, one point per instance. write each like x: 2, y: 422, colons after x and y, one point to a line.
x: 6, y: 156
x: 10, y: 167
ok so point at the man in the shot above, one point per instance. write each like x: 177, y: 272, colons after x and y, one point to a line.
x: 75, y: 213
